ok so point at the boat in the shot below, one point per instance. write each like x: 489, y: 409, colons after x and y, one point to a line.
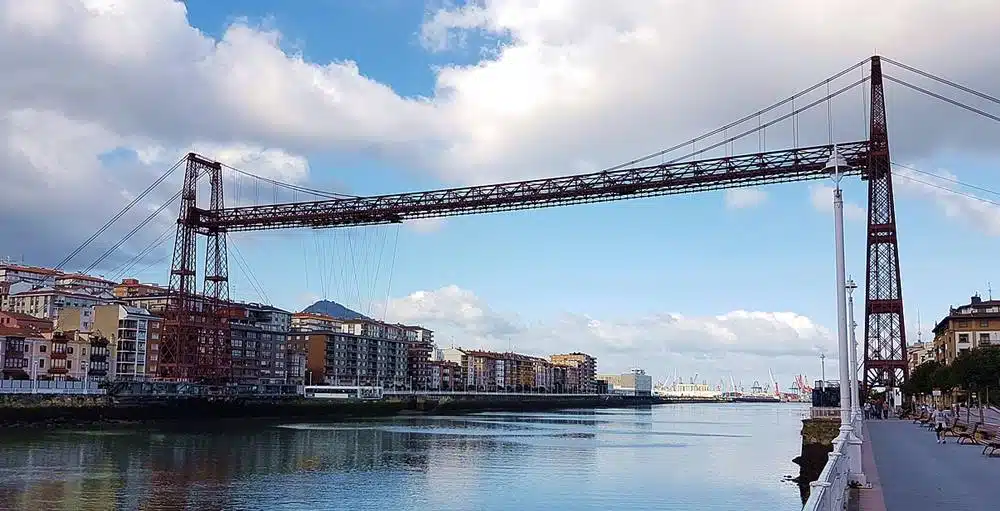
x: 757, y: 394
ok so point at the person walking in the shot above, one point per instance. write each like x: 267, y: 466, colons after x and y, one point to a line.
x: 940, y: 423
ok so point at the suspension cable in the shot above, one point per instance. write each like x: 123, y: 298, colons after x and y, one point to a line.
x: 942, y: 98
x: 942, y: 80
x: 117, y: 216
x: 737, y: 122
x: 773, y: 121
x: 297, y: 188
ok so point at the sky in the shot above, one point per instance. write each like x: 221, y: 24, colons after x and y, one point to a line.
x: 101, y: 97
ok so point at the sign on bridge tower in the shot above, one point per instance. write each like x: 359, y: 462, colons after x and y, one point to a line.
x: 885, y: 334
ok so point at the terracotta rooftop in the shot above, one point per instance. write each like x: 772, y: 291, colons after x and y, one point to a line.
x: 20, y: 332
x: 20, y: 316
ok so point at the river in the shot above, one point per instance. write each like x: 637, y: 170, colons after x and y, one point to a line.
x: 695, y: 457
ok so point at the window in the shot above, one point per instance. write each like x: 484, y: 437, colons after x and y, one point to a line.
x: 41, y: 363
x: 41, y: 349
x: 984, y: 323
x: 984, y: 339
x: 963, y: 338
x: 69, y: 364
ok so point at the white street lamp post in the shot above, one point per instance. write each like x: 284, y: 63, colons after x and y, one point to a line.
x: 846, y: 435
x: 853, y: 346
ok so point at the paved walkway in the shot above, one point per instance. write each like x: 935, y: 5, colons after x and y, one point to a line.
x: 916, y: 473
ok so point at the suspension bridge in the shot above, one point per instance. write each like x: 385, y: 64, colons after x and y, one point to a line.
x: 195, y: 345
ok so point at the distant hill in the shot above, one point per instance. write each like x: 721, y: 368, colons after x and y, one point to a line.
x: 333, y: 309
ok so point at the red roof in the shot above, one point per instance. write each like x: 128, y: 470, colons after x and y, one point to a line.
x: 80, y: 276
x: 19, y: 332
x: 20, y: 316
x: 30, y: 269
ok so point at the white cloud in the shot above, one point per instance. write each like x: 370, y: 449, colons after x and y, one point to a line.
x: 426, y: 225
x: 958, y: 204
x: 744, y: 343
x: 740, y: 198
x: 562, y: 86
x: 821, y: 197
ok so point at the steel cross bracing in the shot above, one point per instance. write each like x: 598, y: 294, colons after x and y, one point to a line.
x: 798, y: 164
x: 885, y: 363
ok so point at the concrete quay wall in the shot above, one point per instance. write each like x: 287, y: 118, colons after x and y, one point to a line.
x: 48, y: 411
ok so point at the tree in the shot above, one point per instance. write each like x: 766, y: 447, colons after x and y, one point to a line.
x: 978, y: 370
x: 922, y: 379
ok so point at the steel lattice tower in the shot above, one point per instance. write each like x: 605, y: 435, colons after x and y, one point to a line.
x: 195, y: 345
x: 885, y: 335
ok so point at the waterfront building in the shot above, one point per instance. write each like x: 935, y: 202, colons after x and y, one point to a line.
x: 633, y: 383
x: 566, y: 379
x: 586, y: 366
x: 259, y: 336
x: 444, y: 375
x: 362, y: 352
x: 967, y: 327
x: 26, y: 354
x: 134, y: 336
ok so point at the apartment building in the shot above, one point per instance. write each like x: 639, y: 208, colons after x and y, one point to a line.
x: 586, y: 366
x: 361, y: 352
x: 55, y: 356
x: 134, y: 336
x: 132, y: 288
x: 312, y: 322
x: 33, y: 275
x: 85, y: 283
x: 47, y: 302
x: 966, y: 327
x: 260, y: 351
x: 919, y: 353
x: 418, y: 371
x: 444, y: 375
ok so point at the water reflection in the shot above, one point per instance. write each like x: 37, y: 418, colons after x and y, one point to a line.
x: 688, y: 457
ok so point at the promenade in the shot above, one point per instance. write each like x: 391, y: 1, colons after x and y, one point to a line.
x: 911, y: 472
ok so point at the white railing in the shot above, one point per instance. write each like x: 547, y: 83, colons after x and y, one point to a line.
x: 829, y: 491
x: 49, y: 387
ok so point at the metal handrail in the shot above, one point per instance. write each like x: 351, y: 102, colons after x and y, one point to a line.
x: 829, y: 491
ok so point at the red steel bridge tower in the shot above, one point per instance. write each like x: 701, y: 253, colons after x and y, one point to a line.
x: 195, y: 345
x: 885, y: 333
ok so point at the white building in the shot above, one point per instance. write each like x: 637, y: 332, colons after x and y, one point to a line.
x: 633, y: 383
x: 46, y: 302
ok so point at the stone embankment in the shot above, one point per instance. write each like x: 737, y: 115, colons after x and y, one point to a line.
x: 817, y: 443
x: 81, y: 411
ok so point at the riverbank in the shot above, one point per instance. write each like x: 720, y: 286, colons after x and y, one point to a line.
x: 37, y: 411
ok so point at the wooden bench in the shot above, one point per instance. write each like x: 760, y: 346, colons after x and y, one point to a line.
x: 954, y: 429
x: 990, y: 438
x: 969, y: 434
